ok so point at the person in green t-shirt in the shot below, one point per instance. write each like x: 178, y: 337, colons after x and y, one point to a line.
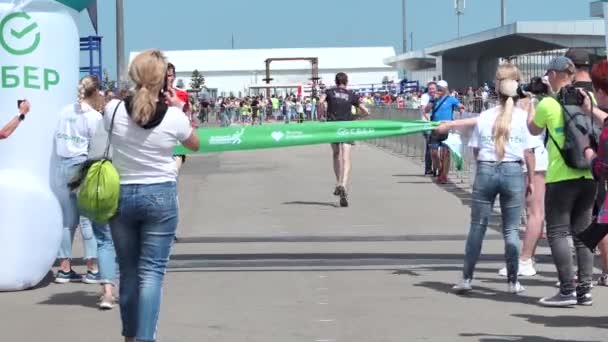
x: 569, y: 197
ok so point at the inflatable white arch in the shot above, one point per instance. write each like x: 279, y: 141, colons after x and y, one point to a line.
x: 39, y: 60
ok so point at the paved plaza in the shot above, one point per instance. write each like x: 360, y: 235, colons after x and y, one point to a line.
x: 266, y: 255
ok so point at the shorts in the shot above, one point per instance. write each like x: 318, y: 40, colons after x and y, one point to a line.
x: 541, y: 159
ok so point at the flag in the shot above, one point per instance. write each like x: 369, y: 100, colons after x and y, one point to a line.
x: 454, y: 143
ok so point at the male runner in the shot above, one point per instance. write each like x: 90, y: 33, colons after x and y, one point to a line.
x: 339, y: 104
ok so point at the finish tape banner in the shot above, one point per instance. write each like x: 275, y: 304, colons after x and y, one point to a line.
x: 282, y: 135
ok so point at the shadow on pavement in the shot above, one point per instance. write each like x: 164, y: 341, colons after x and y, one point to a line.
x: 320, y: 204
x: 78, y: 298
x: 517, y: 338
x: 480, y: 292
x: 582, y: 321
x: 48, y: 279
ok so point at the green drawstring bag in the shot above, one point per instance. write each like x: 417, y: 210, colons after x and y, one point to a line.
x: 100, y: 187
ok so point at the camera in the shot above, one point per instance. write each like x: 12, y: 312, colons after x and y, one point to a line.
x: 571, y: 96
x: 536, y: 87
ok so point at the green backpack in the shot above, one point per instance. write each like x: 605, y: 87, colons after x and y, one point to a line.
x: 100, y: 188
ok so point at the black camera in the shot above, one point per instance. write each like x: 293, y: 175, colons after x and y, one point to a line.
x: 536, y: 87
x: 571, y: 96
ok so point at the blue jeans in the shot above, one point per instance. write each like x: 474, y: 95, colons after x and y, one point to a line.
x: 492, y: 179
x: 313, y: 115
x: 105, y: 253
x: 143, y: 232
x: 67, y: 168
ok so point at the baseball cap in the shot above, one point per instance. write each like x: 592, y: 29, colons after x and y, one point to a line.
x: 560, y: 63
x: 580, y: 57
x: 442, y: 84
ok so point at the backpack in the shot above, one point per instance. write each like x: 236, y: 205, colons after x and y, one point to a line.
x: 579, y: 130
x: 100, y: 188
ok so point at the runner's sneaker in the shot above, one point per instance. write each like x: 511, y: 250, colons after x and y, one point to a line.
x: 560, y: 300
x: 67, y: 277
x: 107, y: 303
x: 516, y: 288
x: 603, y: 280
x: 526, y: 269
x: 463, y: 286
x: 583, y: 297
x: 343, y: 197
x: 337, y: 191
x: 91, y: 278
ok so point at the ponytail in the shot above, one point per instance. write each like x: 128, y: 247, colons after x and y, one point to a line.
x: 144, y: 106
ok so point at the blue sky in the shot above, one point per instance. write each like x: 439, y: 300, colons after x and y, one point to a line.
x: 209, y: 24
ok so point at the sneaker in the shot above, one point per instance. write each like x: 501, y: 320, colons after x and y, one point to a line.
x: 560, y: 300
x: 584, y: 298
x: 91, y: 278
x: 107, y: 303
x: 337, y: 191
x: 603, y: 280
x: 67, y: 277
x: 343, y: 197
x: 516, y: 288
x: 463, y: 286
x: 526, y: 269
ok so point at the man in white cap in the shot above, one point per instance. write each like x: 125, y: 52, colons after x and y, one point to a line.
x: 442, y: 108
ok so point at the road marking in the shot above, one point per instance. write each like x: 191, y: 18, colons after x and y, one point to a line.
x: 326, y: 320
x: 322, y: 303
x: 322, y: 289
x: 327, y: 340
x: 322, y: 276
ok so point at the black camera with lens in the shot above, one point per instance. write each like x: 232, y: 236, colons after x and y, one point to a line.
x: 536, y: 87
x: 571, y: 96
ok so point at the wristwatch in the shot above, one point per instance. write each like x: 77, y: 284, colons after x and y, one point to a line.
x: 21, y: 117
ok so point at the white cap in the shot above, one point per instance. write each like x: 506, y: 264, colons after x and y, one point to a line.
x: 442, y: 84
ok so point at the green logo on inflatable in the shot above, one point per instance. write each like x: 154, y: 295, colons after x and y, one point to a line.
x: 18, y: 28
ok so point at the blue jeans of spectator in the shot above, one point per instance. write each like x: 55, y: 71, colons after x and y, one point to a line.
x: 224, y: 119
x: 313, y: 113
x: 143, y: 232
x: 507, y: 181
x: 67, y: 168
x: 106, y: 254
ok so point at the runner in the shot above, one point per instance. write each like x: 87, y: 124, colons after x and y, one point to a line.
x: 339, y: 102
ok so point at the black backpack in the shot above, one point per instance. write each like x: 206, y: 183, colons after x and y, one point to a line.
x: 579, y: 130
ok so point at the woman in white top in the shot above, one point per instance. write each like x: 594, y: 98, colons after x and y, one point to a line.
x: 76, y: 127
x: 144, y: 132
x: 500, y: 141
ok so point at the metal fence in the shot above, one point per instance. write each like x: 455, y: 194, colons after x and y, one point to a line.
x: 413, y: 146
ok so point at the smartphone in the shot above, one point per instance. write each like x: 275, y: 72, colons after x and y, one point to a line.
x: 19, y: 102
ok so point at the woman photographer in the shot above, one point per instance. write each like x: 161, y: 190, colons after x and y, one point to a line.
x: 145, y: 129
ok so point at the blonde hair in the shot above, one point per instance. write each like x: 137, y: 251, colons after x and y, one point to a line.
x: 507, y: 76
x: 89, y: 91
x: 148, y: 71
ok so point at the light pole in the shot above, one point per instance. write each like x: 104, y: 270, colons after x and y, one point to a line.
x: 459, y: 6
x: 503, y: 12
x: 404, y: 26
x: 120, y: 42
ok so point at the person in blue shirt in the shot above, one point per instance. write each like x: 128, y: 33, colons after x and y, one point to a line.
x: 441, y: 108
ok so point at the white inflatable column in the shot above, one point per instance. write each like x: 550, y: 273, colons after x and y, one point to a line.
x: 39, y: 60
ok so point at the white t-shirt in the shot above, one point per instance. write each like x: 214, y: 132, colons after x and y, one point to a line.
x: 76, y: 127
x: 519, y: 136
x: 145, y: 156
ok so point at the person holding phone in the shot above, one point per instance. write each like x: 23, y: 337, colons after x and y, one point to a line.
x: 11, y: 126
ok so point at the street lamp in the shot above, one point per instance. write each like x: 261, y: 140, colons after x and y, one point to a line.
x: 459, y: 6
x: 120, y: 42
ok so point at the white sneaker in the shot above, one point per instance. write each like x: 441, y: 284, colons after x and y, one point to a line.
x: 516, y: 288
x: 526, y: 269
x: 463, y: 286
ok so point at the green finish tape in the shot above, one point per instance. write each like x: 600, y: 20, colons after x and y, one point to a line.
x: 238, y: 138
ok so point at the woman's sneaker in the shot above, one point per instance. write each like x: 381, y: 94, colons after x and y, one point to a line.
x: 107, y: 303
x: 603, y: 280
x: 67, y: 277
x: 516, y: 288
x: 91, y: 278
x: 463, y: 286
x: 526, y: 269
x: 560, y: 300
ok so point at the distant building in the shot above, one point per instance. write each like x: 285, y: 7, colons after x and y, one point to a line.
x: 234, y: 71
x: 472, y: 60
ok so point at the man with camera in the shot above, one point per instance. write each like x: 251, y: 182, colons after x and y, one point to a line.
x: 570, y: 189
x: 11, y: 126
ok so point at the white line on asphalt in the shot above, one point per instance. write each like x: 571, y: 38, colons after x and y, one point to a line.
x: 329, y: 340
x: 322, y: 276
x: 322, y: 303
x: 326, y: 320
x: 322, y: 289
